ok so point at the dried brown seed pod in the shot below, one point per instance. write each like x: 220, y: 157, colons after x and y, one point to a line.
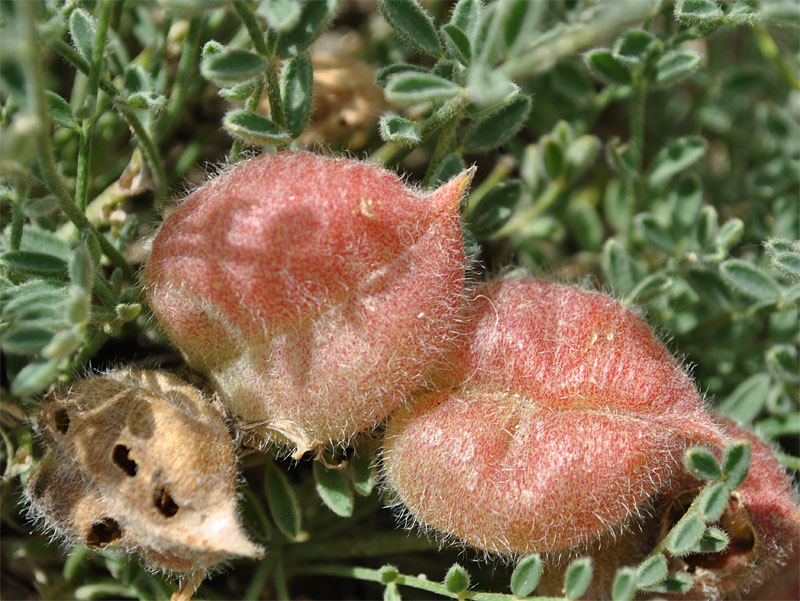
x: 140, y: 460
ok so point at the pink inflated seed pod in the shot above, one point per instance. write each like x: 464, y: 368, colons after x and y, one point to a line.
x: 314, y: 293
x: 555, y: 422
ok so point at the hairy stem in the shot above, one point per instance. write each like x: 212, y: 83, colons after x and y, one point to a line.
x: 595, y: 25
x: 422, y: 584
x: 186, y: 70
x: 35, y: 91
x: 443, y: 145
x: 146, y: 143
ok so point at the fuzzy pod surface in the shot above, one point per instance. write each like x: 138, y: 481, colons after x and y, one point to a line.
x: 559, y: 417
x: 139, y: 460
x: 314, y: 293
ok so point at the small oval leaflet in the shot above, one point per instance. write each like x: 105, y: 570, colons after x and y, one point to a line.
x: 578, y: 577
x: 334, y: 489
x: 686, y: 534
x: 624, y: 587
x: 283, y: 504
x: 653, y: 571
x: 457, y: 579
x: 526, y: 576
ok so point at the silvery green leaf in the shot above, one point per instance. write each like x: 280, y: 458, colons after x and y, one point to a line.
x: 414, y: 88
x: 736, y: 463
x: 314, y: 17
x: 35, y: 377
x: 712, y: 501
x: 413, y: 23
x: 458, y: 44
x: 281, y: 15
x: 394, y: 128
x: 617, y: 266
x: 676, y: 65
x: 578, y: 577
x: 701, y: 463
x: 652, y: 571
x: 27, y: 262
x: 634, y: 47
x: 747, y: 399
x: 253, y: 128
x: 232, y: 66
x: 297, y: 87
x: 750, y: 280
x: 607, y: 68
x: 493, y: 130
x: 283, y: 504
x: 60, y: 111
x: 526, y: 576
x: 677, y: 156
x: 686, y: 534
x: 334, y: 489
x: 697, y: 11
x: 82, y: 28
x: 624, y: 587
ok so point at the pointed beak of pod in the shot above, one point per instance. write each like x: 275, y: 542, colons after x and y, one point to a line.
x: 447, y: 197
x: 224, y: 534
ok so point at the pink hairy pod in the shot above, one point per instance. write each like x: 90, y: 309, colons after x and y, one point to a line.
x: 313, y: 293
x: 556, y: 421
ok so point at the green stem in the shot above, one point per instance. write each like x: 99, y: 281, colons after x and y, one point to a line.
x: 637, y: 122
x: 186, y: 70
x: 268, y: 52
x: 390, y: 543
x: 89, y: 350
x: 35, y: 92
x: 251, y: 105
x: 504, y: 166
x: 274, y: 93
x: 250, y: 23
x: 441, y: 149
x: 769, y: 49
x: 637, y: 136
x: 9, y: 456
x: 84, y: 157
x: 596, y: 24
x: 149, y: 149
x: 279, y: 577
x: 437, y: 588
x: 17, y: 222
x: 259, y: 579
x: 522, y: 220
x: 98, y: 50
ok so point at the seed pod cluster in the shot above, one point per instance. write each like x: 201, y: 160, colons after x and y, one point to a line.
x: 139, y: 460
x: 313, y: 293
x: 320, y: 296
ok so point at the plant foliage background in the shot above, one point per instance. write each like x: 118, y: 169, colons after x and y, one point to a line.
x: 650, y: 149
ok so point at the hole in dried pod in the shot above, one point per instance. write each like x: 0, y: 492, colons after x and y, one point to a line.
x: 62, y: 421
x: 102, y: 533
x: 122, y: 459
x: 164, y: 503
